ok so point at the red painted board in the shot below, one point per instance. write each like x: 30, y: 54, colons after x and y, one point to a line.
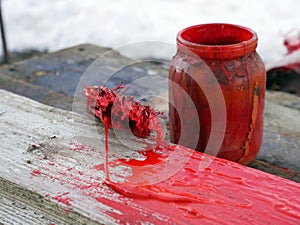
x: 204, y: 190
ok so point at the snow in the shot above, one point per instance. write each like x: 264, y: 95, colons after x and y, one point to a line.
x: 57, y: 24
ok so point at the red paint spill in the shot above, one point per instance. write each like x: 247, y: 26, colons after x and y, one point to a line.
x: 225, y: 192
x: 100, y: 101
x: 114, y: 109
x: 51, y: 163
x: 80, y: 147
x: 99, y: 167
x: 62, y: 199
x: 66, y: 210
x: 209, y: 195
x: 35, y: 172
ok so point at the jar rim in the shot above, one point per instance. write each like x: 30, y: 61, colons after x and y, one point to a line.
x: 218, y: 40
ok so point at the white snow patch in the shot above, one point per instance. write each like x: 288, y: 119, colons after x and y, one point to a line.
x: 57, y: 24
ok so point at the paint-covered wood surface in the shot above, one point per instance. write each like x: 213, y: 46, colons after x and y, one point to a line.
x: 52, y: 161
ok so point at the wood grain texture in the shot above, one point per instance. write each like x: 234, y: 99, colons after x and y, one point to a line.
x: 51, y: 160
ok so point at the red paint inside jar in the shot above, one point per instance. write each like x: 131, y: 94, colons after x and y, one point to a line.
x: 216, y: 34
x: 218, y: 41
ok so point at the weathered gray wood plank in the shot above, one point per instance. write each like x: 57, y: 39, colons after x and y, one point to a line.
x: 24, y: 123
x: 52, y: 153
x: 21, y: 206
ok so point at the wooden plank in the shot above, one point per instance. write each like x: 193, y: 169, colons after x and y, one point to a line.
x: 59, y: 156
x: 22, y: 206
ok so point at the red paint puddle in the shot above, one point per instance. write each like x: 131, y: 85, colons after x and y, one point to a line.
x: 153, y: 157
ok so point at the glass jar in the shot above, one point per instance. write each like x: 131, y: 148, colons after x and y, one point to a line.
x: 211, y: 59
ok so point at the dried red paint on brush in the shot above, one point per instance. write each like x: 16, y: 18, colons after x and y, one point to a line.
x: 121, y: 112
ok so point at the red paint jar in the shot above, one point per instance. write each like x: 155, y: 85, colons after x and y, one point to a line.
x: 212, y: 59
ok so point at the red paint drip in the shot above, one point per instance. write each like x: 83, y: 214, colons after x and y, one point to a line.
x: 106, y: 154
x: 224, y: 69
x: 142, y: 119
